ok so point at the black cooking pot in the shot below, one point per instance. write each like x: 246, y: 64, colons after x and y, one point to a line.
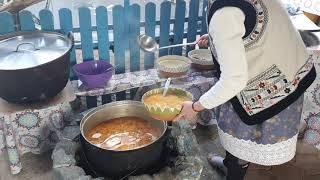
x: 34, y: 65
x: 118, y: 164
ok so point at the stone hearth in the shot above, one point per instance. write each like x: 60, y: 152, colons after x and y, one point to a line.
x: 185, y: 160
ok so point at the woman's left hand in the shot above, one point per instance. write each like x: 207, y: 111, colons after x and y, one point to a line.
x: 187, y: 112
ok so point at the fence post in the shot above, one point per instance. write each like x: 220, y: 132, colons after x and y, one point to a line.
x: 193, y: 23
x: 178, y: 29
x: 46, y: 20
x: 26, y: 21
x: 150, y: 28
x: 66, y: 26
x: 165, y: 27
x: 126, y: 5
x: 103, y: 40
x: 134, y: 32
x: 6, y: 23
x: 119, y: 43
x: 87, y: 44
x: 204, y: 28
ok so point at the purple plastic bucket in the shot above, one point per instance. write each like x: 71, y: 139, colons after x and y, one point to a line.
x: 94, y: 76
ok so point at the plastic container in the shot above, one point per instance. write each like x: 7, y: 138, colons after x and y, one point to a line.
x: 94, y: 74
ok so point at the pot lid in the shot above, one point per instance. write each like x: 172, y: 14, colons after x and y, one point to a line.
x: 30, y: 49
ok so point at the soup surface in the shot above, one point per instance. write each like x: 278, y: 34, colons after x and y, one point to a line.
x: 124, y: 133
x: 202, y: 57
x: 169, y: 100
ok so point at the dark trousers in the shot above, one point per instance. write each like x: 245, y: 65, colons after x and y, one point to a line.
x: 236, y: 168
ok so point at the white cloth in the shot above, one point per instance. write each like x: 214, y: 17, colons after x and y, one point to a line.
x: 310, y: 6
x: 227, y: 29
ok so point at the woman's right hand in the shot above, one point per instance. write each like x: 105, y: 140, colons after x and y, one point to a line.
x: 203, y: 42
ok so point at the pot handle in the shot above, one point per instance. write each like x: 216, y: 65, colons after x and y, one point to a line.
x: 30, y: 43
x: 71, y: 37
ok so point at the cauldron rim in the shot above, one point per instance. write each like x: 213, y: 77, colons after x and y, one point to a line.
x: 94, y: 110
x: 66, y: 52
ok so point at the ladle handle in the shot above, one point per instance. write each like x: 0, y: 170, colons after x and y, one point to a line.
x: 177, y: 45
x: 310, y: 30
x: 71, y: 37
x: 166, y: 87
x: 34, y: 46
x: 95, y: 63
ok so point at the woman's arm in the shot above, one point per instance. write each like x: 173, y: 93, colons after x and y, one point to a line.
x: 227, y: 29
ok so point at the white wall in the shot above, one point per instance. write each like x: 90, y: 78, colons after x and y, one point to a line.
x: 74, y: 4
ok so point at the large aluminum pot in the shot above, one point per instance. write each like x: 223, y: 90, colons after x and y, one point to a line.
x: 34, y: 65
x: 118, y: 164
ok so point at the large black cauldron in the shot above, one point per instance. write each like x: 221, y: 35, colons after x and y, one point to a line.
x: 33, y: 65
x: 118, y: 164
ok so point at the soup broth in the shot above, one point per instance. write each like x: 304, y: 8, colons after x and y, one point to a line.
x: 169, y: 100
x: 124, y: 133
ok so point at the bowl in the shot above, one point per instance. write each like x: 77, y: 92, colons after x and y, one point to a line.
x: 164, y: 112
x: 94, y: 75
x: 173, y: 66
x: 201, y: 59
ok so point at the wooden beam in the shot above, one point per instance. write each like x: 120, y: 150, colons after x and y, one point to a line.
x: 14, y: 6
x: 314, y: 18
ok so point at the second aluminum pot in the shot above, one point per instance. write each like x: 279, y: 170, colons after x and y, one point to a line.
x: 34, y: 65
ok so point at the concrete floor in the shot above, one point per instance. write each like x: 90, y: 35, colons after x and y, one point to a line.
x: 35, y: 167
x: 305, y: 166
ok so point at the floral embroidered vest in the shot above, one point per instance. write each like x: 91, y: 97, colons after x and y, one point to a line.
x: 280, y: 68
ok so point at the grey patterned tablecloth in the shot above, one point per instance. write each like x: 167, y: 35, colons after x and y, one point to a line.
x: 196, y: 82
x: 131, y: 80
x: 32, y: 128
x: 32, y: 131
x: 311, y: 107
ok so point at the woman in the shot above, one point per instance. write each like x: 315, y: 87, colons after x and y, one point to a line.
x: 263, y: 69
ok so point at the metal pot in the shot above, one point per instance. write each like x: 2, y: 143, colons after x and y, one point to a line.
x: 34, y: 65
x: 118, y: 164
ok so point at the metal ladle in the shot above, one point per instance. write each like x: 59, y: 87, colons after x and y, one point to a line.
x: 148, y: 44
x: 166, y: 87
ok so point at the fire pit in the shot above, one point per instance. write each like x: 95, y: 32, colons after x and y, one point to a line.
x: 182, y: 159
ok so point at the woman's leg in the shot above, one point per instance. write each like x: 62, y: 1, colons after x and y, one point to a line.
x: 237, y: 168
x: 231, y: 166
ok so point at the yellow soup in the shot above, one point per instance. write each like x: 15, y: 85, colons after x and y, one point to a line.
x: 169, y: 100
x: 124, y: 133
